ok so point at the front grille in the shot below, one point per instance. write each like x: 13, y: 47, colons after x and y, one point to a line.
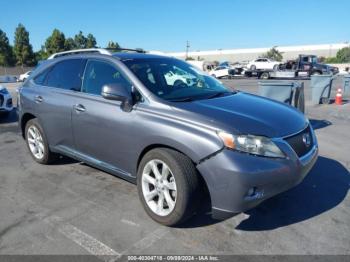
x: 299, y: 142
x: 1, y: 100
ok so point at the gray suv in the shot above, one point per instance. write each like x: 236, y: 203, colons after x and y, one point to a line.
x: 168, y: 127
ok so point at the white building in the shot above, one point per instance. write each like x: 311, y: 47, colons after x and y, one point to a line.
x: 237, y: 55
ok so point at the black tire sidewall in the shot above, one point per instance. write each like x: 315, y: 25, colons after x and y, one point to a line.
x: 182, y: 208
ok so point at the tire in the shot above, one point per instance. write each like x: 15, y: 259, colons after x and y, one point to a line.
x: 182, y: 173
x: 213, y: 76
x: 252, y: 67
x: 46, y: 157
x: 325, y: 100
x: 265, y: 75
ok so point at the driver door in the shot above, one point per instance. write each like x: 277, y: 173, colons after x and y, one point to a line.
x: 101, y: 128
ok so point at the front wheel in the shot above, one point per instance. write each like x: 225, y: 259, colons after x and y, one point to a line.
x: 167, y: 183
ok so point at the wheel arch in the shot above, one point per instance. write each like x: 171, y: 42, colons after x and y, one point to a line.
x: 202, y: 181
x: 24, y: 120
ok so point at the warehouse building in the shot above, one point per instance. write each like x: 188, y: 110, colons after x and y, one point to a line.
x: 239, y: 55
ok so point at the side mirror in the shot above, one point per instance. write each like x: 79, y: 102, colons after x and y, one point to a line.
x: 118, y: 92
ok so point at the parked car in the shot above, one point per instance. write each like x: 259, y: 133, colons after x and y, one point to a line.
x: 262, y: 63
x: 177, y: 77
x: 221, y: 71
x: 24, y: 76
x: 119, y: 114
x: 237, y: 67
x: 5, y: 102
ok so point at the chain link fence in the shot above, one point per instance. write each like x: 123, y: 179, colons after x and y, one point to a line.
x: 13, y: 71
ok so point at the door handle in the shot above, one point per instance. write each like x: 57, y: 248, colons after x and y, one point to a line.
x: 79, y: 108
x: 38, y: 99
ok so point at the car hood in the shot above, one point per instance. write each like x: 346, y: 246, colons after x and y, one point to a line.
x: 244, y: 113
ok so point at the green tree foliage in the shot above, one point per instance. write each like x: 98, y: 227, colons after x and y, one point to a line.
x: 6, y: 53
x: 331, y: 60
x: 189, y: 58
x: 343, y: 55
x: 55, y: 43
x: 22, y: 48
x: 69, y: 44
x: 80, y: 40
x: 273, y: 54
x: 90, y: 41
x: 41, y: 54
x: 113, y: 45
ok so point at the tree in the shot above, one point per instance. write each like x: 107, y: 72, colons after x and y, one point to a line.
x: 189, y: 58
x: 41, y: 54
x: 273, y: 54
x: 113, y: 45
x: 6, y: 53
x: 80, y: 40
x: 55, y: 43
x: 90, y: 41
x: 331, y: 60
x: 69, y: 44
x: 343, y: 55
x: 23, y: 49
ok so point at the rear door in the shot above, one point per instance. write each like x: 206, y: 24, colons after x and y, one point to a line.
x: 102, y: 130
x: 55, y: 97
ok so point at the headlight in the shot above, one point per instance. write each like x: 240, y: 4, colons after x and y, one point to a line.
x: 256, y: 145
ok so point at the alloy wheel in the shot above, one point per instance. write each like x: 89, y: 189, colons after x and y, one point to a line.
x: 159, y: 187
x: 35, y: 142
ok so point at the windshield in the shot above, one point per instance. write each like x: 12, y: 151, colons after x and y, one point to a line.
x: 175, y: 80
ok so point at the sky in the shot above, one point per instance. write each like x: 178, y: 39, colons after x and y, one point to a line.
x: 166, y: 25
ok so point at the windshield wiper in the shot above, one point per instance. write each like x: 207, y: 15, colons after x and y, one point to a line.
x: 219, y: 94
x: 182, y: 99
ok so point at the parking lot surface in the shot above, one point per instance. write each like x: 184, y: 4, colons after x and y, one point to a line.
x: 71, y: 208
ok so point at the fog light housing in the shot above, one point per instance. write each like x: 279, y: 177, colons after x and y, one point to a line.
x: 251, y: 192
x: 254, y: 193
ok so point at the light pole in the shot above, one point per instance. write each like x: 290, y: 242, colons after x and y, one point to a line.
x: 187, y: 48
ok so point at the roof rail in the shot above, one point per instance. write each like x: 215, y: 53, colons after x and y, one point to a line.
x: 103, y: 51
x: 81, y: 51
x: 137, y: 50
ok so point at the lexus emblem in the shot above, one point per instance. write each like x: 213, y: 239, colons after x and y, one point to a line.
x: 306, y: 139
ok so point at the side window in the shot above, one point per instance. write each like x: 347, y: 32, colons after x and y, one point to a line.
x: 40, y: 79
x: 98, y: 74
x: 67, y: 74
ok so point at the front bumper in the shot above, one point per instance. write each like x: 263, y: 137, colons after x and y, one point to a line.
x: 238, y: 182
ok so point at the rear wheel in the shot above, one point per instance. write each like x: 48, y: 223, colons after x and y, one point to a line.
x: 265, y: 75
x: 37, y: 143
x: 167, y: 183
